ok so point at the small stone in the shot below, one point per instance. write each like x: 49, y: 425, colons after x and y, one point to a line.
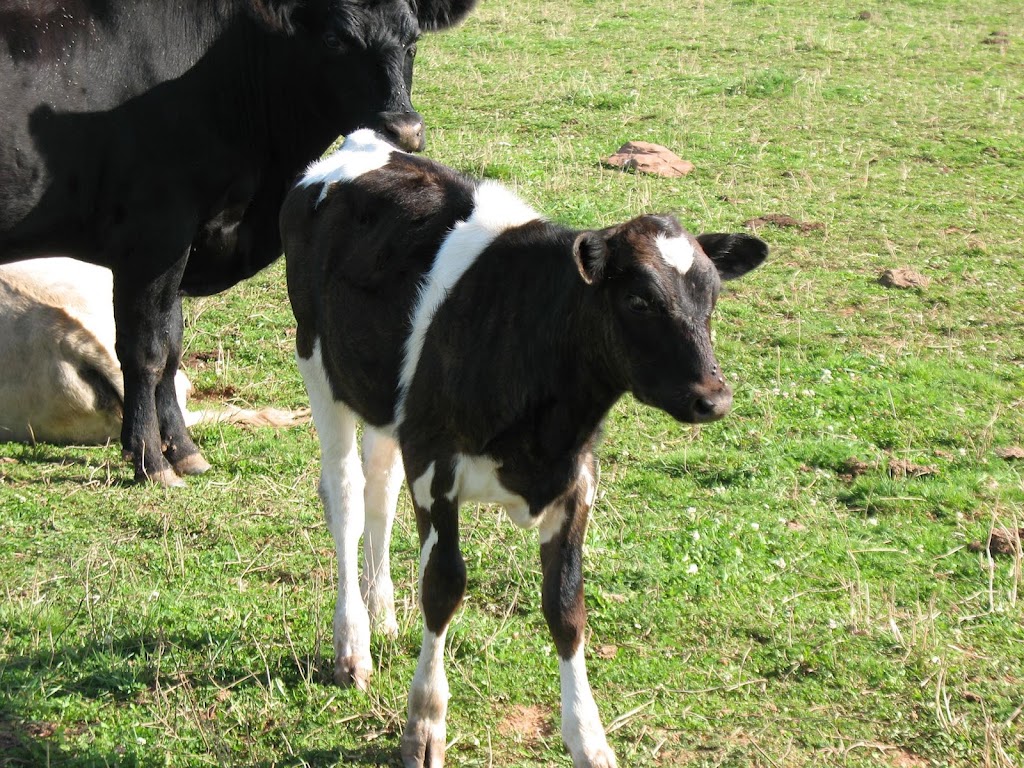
x: 903, y: 278
x: 644, y: 157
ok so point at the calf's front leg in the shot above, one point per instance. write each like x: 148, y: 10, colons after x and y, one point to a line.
x: 562, y: 535
x: 442, y: 586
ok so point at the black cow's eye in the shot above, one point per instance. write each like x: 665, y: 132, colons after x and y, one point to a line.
x: 332, y: 41
x: 410, y: 52
x: 639, y: 304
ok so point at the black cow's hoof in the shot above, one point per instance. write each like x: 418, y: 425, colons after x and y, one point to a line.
x: 166, y: 477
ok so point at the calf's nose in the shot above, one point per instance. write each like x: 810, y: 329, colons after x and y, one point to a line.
x: 711, y: 406
x: 405, y: 129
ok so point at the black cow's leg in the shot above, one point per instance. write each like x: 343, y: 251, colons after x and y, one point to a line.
x: 147, y: 316
x: 442, y: 585
x: 562, y: 533
x: 178, y: 447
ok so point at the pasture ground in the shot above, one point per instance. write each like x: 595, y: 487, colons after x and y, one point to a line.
x: 797, y: 585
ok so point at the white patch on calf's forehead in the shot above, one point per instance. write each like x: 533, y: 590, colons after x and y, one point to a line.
x: 495, y: 210
x: 362, y: 152
x: 677, y: 252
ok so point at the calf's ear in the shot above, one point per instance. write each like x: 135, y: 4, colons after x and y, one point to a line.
x: 590, y: 252
x: 733, y: 254
x: 441, y: 14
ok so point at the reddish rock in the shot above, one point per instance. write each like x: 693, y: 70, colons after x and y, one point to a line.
x: 903, y: 278
x: 644, y: 157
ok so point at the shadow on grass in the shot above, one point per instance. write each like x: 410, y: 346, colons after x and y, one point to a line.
x: 43, y: 463
x: 110, y: 668
x: 322, y: 758
x: 28, y: 743
x: 33, y: 743
x: 141, y: 665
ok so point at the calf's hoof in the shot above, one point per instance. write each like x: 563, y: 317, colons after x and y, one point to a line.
x: 351, y: 671
x: 423, y: 744
x: 193, y: 464
x: 386, y: 624
x: 594, y: 756
x: 388, y: 629
x: 604, y: 759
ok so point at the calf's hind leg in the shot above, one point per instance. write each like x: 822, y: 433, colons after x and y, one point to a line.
x: 382, y: 465
x: 341, y: 490
x: 562, y: 535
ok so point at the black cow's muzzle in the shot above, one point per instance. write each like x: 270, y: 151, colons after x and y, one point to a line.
x: 405, y: 129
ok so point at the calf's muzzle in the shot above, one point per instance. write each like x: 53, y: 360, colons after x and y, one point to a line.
x: 711, y: 406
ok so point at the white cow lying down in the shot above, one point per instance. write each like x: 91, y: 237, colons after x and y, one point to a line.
x: 60, y: 380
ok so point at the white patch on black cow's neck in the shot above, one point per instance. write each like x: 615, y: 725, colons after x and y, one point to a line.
x: 495, y: 210
x: 362, y: 152
x: 676, y: 251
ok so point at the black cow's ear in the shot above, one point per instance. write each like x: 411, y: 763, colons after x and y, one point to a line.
x: 281, y: 15
x: 590, y: 252
x: 733, y: 254
x: 441, y: 14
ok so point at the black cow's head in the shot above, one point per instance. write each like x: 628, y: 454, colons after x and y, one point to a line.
x: 363, y: 53
x: 659, y: 285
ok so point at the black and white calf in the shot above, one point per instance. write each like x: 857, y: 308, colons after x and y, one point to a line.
x: 488, y: 344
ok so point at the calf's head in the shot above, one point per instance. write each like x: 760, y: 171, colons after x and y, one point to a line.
x: 658, y: 286
x: 363, y: 51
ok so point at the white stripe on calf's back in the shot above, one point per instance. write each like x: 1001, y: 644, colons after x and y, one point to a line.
x: 495, y: 210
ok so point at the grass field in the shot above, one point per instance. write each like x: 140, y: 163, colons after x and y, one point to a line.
x: 798, y: 585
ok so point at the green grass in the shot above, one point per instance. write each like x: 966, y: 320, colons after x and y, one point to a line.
x: 763, y: 606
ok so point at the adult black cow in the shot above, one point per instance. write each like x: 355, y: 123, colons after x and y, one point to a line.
x: 159, y: 138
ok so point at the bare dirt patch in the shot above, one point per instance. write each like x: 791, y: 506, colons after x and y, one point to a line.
x: 1012, y: 453
x: 997, y: 37
x: 1001, y: 541
x: 196, y: 359
x: 784, y: 221
x: 854, y: 468
x: 901, y: 758
x: 526, y: 724
x: 214, y: 393
x: 607, y: 651
x: 903, y: 468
